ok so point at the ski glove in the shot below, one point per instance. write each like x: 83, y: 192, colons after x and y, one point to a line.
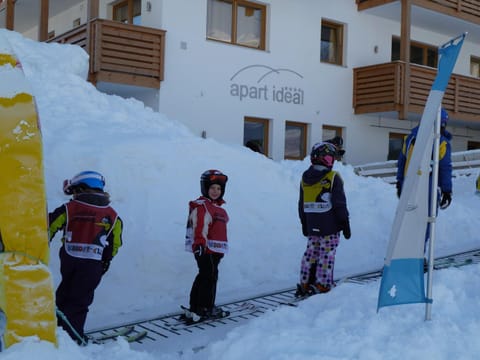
x: 399, y: 189
x: 105, y: 266
x: 347, y: 233
x: 198, y: 250
x: 446, y: 200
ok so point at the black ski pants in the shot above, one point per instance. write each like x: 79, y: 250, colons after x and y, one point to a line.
x: 80, y: 278
x: 204, y: 288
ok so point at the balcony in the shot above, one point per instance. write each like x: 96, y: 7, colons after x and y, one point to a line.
x: 120, y: 53
x: 468, y: 10
x: 381, y: 89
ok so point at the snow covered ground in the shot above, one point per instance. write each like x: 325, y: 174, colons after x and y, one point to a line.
x: 152, y: 166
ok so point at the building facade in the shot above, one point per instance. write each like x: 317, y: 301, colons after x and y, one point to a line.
x: 280, y: 75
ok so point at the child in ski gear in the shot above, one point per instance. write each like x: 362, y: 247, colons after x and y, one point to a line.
x: 92, y: 235
x: 444, y: 168
x: 338, y: 142
x: 207, y: 239
x: 322, y: 207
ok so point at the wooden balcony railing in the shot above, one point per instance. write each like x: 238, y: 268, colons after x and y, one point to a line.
x: 380, y: 88
x: 468, y: 10
x: 120, y: 53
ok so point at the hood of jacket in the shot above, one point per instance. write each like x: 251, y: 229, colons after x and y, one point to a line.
x: 314, y: 174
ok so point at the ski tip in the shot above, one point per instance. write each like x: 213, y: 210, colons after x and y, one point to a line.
x: 136, y: 337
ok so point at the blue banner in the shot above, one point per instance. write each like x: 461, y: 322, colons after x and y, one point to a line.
x: 403, y: 274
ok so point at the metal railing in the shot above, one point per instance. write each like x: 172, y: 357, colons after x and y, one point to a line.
x: 463, y: 163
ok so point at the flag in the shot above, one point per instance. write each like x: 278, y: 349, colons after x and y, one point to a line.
x: 403, y: 276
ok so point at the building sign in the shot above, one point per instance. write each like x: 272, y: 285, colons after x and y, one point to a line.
x: 264, y: 83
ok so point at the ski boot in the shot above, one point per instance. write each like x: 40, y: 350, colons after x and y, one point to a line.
x: 303, y: 290
x: 189, y: 316
x: 319, y: 289
x: 217, y: 313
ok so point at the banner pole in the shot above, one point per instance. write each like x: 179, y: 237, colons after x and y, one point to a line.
x: 433, y: 214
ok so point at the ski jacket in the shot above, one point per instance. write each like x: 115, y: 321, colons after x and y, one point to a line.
x: 91, y: 228
x: 444, y: 157
x: 207, y: 226
x: 322, y: 205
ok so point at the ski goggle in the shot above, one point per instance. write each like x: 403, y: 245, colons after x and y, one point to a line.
x: 220, y: 178
x: 324, y: 148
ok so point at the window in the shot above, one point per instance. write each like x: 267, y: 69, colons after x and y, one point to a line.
x: 329, y: 132
x: 255, y: 134
x: 237, y: 22
x: 295, y: 140
x: 395, y: 143
x: 475, y: 66
x: 421, y: 54
x: 331, y: 46
x: 473, y: 145
x: 128, y: 11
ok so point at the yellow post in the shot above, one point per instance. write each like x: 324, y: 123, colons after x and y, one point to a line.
x: 26, y: 287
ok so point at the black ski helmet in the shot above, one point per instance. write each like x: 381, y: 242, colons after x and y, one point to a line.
x: 211, y: 177
x: 323, y: 153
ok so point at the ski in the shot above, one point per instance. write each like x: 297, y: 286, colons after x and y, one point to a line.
x: 116, y: 333
x: 136, y: 337
x: 183, y: 321
x: 124, y: 332
x: 191, y: 318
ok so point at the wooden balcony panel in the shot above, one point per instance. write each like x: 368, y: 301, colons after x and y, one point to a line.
x: 130, y: 34
x: 131, y: 66
x: 376, y: 97
x: 119, y: 63
x: 130, y: 52
x: 367, y: 4
x: 127, y: 79
x: 471, y: 7
x: 469, y: 99
x: 461, y: 98
x: 376, y: 88
x: 377, y: 100
x: 367, y: 76
x: 120, y: 53
x: 129, y: 60
x: 76, y: 36
x: 384, y: 89
x: 468, y: 10
x: 128, y: 45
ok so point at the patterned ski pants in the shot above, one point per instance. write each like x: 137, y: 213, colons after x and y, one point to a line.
x: 320, y: 253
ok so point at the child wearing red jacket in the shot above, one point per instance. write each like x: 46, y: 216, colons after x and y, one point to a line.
x: 207, y: 239
x: 92, y: 235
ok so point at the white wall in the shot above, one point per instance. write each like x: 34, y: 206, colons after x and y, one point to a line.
x: 200, y: 74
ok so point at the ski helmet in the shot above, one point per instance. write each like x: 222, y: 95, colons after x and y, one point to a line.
x: 337, y: 141
x: 85, y: 179
x: 443, y: 117
x: 323, y: 153
x: 211, y: 177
